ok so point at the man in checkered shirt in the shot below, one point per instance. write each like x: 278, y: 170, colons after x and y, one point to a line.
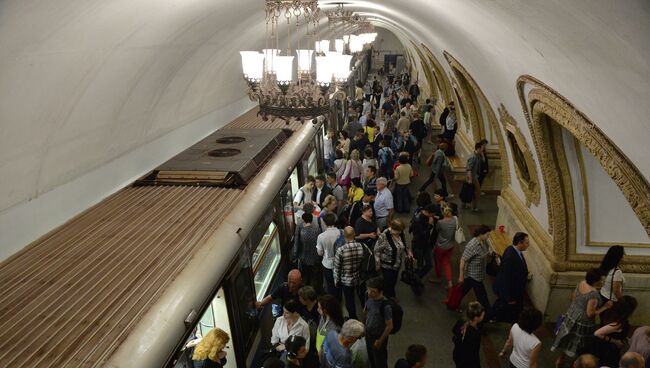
x: 347, y: 270
x: 472, y: 265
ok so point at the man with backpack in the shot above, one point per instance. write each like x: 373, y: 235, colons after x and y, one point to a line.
x: 386, y: 159
x: 326, y: 245
x: 347, y: 270
x: 383, y: 316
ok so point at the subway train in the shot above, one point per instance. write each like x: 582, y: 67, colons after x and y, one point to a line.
x: 188, y: 247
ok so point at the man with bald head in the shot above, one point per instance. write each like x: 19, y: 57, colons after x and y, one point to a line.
x: 285, y: 291
x: 347, y: 270
x: 586, y: 361
x: 632, y: 360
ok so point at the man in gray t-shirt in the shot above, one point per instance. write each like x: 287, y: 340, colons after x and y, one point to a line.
x: 379, y: 323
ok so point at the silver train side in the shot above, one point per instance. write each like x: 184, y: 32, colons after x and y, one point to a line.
x: 155, y: 338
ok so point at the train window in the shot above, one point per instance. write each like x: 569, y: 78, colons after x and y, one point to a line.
x: 216, y: 315
x: 266, y: 259
x: 295, y: 184
x: 312, y: 164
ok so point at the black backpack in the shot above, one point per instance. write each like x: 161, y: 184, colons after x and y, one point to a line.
x: 397, y: 312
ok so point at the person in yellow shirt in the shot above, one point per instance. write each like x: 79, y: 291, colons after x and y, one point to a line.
x: 355, y: 193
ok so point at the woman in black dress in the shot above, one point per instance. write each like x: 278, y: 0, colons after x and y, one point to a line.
x: 467, y: 339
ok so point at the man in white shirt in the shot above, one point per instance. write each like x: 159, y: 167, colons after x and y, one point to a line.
x: 325, y: 246
x: 330, y: 155
x: 363, y: 120
x: 383, y: 204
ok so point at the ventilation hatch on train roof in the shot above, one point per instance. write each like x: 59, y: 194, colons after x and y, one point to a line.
x: 227, y: 157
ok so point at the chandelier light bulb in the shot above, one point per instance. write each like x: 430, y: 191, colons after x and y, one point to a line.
x: 252, y: 64
x: 356, y: 44
x: 324, y: 69
x: 283, y: 68
x: 339, y: 45
x: 304, y: 60
x: 341, y: 67
x: 325, y: 45
x: 270, y: 58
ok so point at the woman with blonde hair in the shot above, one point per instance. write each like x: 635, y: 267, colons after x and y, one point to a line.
x: 353, y: 166
x: 329, y: 206
x: 209, y: 352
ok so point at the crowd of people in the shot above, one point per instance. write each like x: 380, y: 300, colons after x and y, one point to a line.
x: 350, y: 247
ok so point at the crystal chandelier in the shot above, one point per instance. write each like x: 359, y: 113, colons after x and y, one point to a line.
x: 270, y: 74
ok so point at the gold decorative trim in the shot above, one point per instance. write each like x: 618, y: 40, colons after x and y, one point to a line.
x: 457, y: 68
x: 529, y: 222
x: 469, y: 104
x: 543, y: 103
x: 529, y: 185
x: 426, y: 69
x: 442, y: 82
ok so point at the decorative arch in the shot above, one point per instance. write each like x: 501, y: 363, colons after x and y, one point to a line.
x: 442, y: 82
x: 472, y: 107
x: 547, y: 112
x: 460, y: 71
x: 427, y: 72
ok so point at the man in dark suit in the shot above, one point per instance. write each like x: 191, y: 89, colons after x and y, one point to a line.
x: 320, y: 191
x: 510, y: 284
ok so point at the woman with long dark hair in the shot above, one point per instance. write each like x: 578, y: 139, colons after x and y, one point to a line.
x: 610, y: 338
x: 613, y: 286
x: 331, y: 318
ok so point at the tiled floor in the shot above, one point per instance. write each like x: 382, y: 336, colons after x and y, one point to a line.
x: 427, y: 321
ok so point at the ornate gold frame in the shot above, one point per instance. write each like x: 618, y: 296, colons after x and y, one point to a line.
x: 530, y: 187
x: 543, y: 103
x: 459, y: 69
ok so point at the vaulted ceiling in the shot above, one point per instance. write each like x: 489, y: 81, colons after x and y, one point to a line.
x: 85, y: 82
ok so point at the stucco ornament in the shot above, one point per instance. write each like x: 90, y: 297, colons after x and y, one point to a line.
x: 546, y: 111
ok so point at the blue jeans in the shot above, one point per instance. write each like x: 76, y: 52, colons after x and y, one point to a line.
x: 402, y: 198
x: 330, y: 288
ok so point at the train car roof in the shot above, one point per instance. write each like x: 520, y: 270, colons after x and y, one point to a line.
x: 71, y: 297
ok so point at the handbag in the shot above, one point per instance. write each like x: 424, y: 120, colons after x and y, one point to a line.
x: 493, y: 264
x: 459, y: 235
x: 558, y: 324
x: 454, y: 297
x: 467, y: 192
x: 410, y: 278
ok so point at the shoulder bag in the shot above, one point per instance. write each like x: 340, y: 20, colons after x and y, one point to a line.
x: 459, y: 235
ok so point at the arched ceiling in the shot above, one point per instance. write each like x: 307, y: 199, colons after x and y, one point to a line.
x: 84, y: 82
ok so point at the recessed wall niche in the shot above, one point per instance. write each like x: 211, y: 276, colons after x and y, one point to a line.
x: 525, y: 167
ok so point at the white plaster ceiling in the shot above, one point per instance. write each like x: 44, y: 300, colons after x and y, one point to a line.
x: 83, y: 82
